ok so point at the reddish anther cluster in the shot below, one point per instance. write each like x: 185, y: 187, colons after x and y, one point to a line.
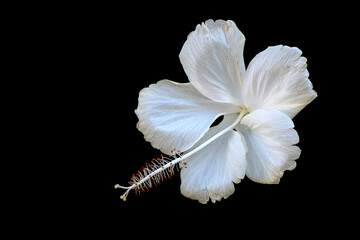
x: 153, y: 173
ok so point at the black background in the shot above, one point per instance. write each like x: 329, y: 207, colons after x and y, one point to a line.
x: 100, y: 57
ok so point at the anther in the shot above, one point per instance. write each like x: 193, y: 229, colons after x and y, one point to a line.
x: 153, y: 173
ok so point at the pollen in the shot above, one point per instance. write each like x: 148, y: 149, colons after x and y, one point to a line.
x: 153, y: 173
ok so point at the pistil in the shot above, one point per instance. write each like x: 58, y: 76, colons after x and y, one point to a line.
x: 154, y: 173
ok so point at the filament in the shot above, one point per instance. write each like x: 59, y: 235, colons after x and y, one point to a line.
x: 163, y: 168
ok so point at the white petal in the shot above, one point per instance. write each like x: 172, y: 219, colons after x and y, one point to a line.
x: 212, y: 57
x: 270, y: 140
x: 210, y: 173
x: 173, y: 115
x: 277, y: 78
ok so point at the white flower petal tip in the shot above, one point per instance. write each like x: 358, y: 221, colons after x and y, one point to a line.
x: 212, y: 57
x: 211, y: 26
x: 270, y: 138
x: 277, y: 78
x: 173, y: 115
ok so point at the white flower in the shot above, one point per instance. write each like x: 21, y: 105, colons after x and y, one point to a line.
x: 256, y: 137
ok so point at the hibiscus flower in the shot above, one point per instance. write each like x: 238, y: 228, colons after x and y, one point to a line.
x: 256, y: 137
